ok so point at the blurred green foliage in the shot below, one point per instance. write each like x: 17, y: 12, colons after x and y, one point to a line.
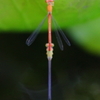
x: 81, y: 17
x: 88, y: 36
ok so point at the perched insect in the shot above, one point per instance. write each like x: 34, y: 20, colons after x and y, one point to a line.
x: 49, y: 45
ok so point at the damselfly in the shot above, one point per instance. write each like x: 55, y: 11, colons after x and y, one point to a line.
x: 49, y: 45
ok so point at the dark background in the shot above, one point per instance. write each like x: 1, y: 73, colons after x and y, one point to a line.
x: 76, y: 71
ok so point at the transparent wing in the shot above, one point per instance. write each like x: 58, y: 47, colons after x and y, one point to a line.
x: 58, y: 37
x: 33, y: 36
x: 62, y: 33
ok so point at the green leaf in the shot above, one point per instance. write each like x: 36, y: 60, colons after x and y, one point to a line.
x: 25, y: 15
x: 87, y: 35
x: 81, y: 16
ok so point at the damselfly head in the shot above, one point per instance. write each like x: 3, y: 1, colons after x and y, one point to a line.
x: 49, y: 1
